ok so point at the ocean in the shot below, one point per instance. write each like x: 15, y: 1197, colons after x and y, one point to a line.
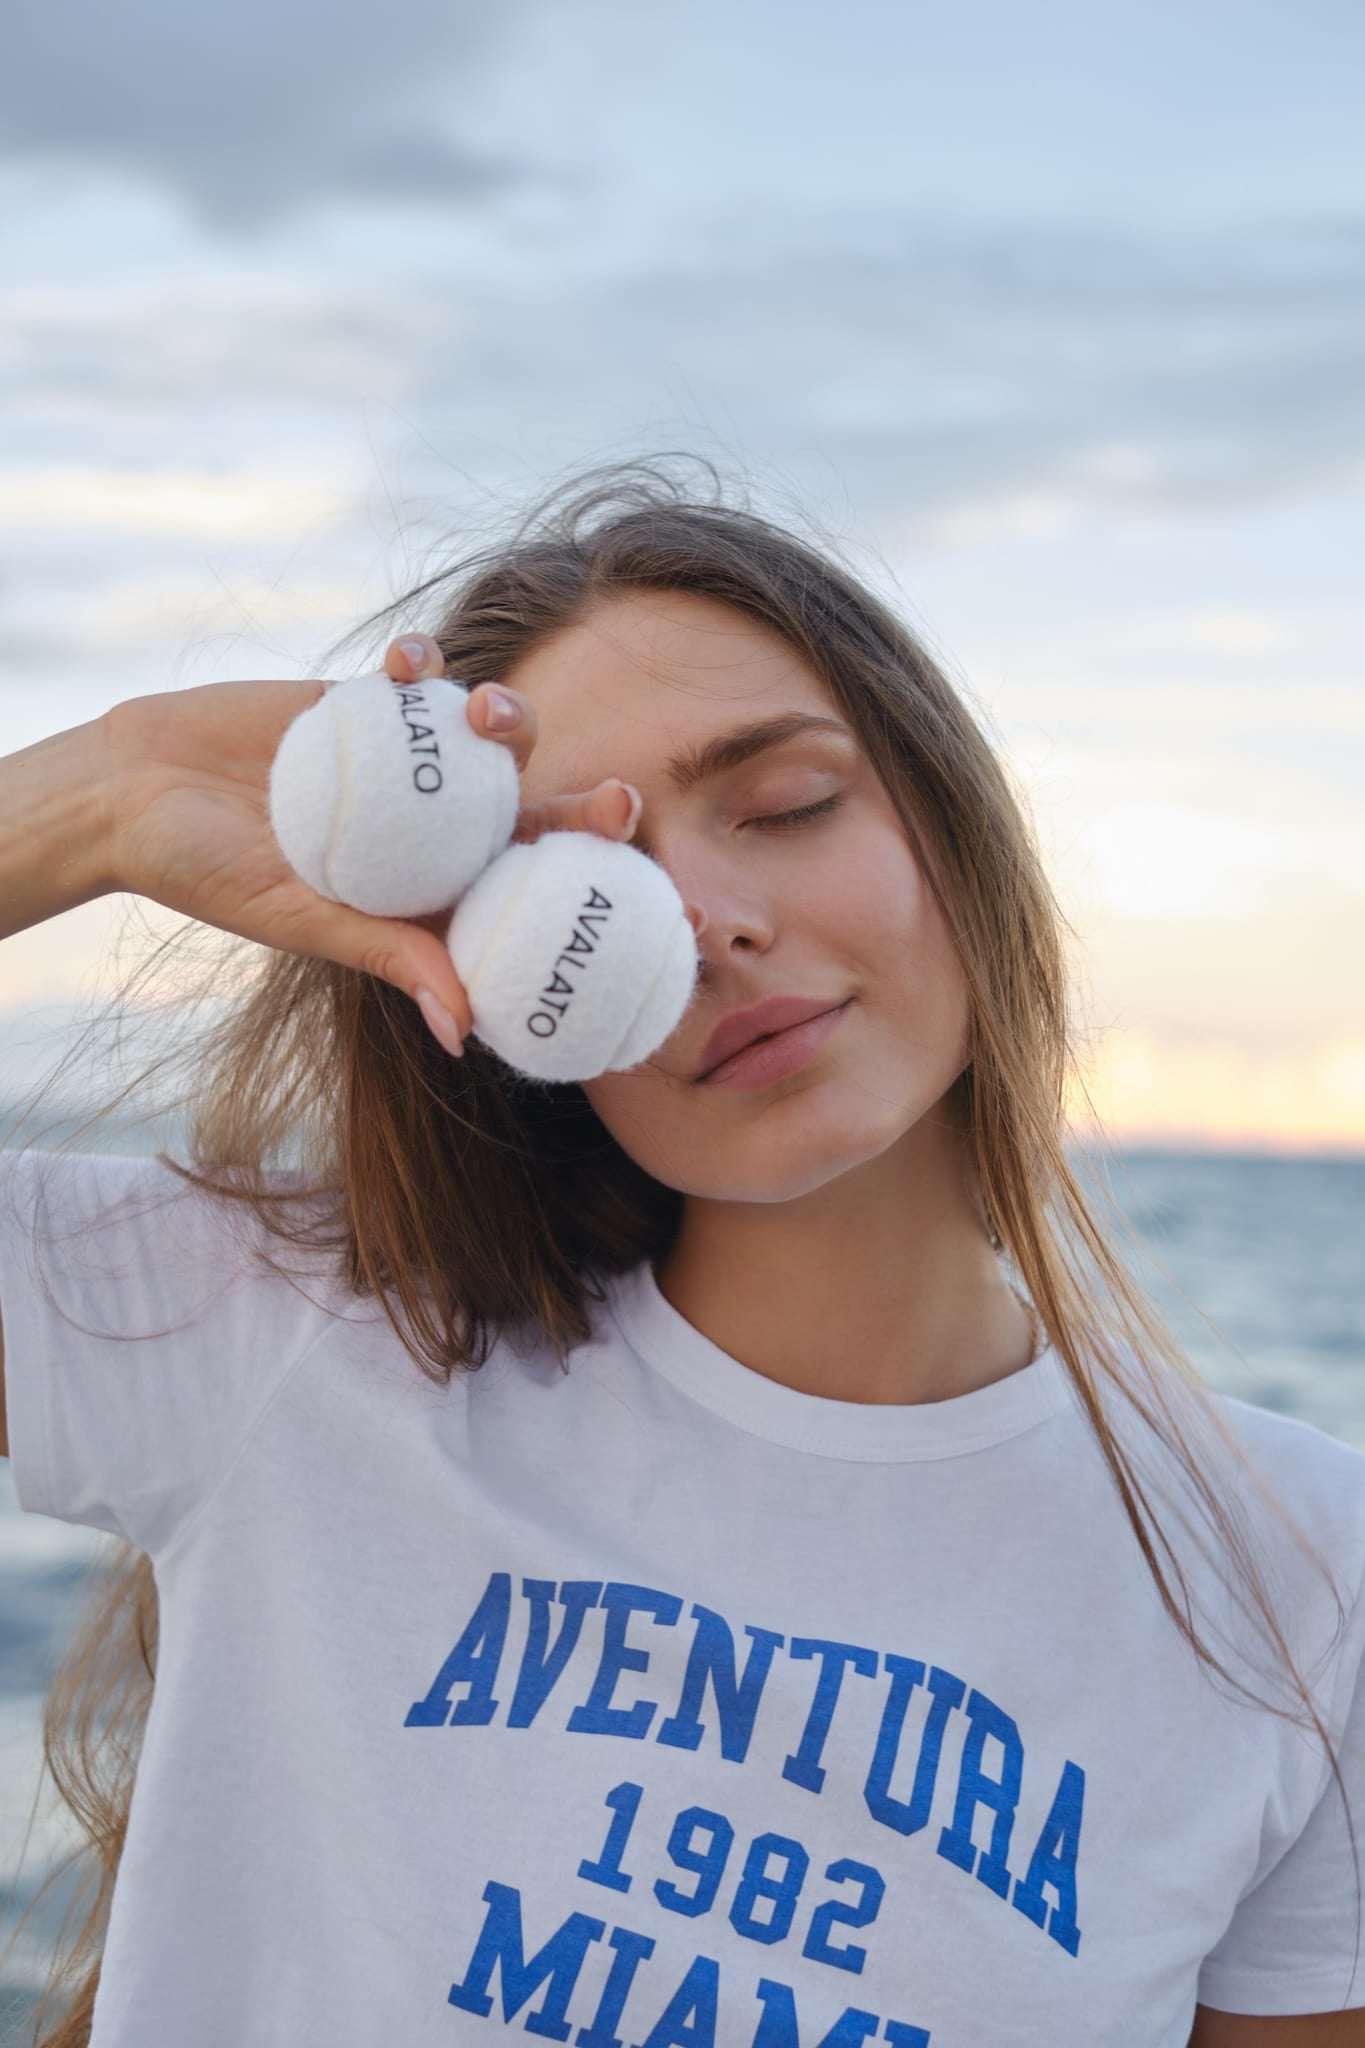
x: 1257, y: 1263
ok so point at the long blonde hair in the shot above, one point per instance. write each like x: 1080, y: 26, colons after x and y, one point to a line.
x: 335, y: 1071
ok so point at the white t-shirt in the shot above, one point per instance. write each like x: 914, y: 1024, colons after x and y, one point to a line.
x: 653, y: 1702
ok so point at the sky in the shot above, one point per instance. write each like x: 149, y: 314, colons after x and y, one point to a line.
x: 1052, y: 320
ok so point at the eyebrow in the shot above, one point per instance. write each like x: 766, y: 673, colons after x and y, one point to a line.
x: 731, y: 749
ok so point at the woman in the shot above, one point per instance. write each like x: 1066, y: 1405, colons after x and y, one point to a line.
x: 795, y: 1630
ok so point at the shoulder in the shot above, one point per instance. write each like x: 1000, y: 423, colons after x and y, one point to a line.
x: 53, y: 1201
x: 91, y: 1187
x: 1303, y: 1511
x: 1260, y: 1459
x: 1254, y: 1504
x: 1315, y: 1474
x: 111, y: 1218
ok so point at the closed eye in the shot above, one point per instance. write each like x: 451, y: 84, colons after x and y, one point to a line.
x: 784, y: 820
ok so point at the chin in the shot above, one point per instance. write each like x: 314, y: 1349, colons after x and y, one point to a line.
x: 776, y: 1153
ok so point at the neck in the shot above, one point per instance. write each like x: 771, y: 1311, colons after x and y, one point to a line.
x: 880, y: 1286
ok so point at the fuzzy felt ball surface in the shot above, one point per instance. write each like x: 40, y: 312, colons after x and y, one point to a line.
x: 576, y: 954
x: 383, y: 796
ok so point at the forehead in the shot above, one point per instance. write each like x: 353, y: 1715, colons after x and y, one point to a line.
x: 646, y: 674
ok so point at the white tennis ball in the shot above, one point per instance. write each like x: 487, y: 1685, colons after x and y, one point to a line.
x: 383, y: 796
x: 576, y: 955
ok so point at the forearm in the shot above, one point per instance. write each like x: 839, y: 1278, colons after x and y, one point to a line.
x: 54, y: 827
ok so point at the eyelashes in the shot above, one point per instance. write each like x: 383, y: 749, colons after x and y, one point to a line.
x: 774, y: 821
x: 778, y: 821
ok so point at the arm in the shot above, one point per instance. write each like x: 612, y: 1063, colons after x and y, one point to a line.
x: 54, y: 848
x: 1308, y: 2030
x: 54, y: 826
x: 166, y: 796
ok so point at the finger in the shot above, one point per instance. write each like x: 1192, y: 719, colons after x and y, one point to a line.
x: 417, y: 961
x: 485, y: 700
x: 413, y: 656
x: 612, y: 809
x: 409, y: 953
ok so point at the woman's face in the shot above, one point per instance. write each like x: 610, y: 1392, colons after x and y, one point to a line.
x: 833, y: 908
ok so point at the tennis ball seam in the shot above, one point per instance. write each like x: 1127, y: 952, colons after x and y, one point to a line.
x: 342, y: 805
x: 509, y: 913
x: 665, y: 961
x: 504, y: 805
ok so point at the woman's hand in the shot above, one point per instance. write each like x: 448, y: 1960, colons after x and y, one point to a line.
x: 191, y: 826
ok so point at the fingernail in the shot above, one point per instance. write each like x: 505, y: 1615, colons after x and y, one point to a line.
x: 440, y: 1022
x: 416, y: 651
x: 502, y: 713
x: 634, y: 804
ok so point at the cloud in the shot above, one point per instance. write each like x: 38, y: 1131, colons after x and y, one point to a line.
x: 251, y: 110
x: 245, y: 503
x: 1163, y: 860
x: 967, y: 381
x: 970, y: 385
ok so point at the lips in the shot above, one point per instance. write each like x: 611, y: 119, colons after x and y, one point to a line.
x: 758, y: 1020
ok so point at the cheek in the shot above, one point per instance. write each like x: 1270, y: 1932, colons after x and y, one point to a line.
x: 862, y: 917
x: 914, y: 985
x: 860, y: 914
x: 875, y: 900
x: 876, y: 889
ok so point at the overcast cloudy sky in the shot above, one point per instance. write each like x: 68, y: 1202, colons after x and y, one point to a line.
x: 1053, y: 317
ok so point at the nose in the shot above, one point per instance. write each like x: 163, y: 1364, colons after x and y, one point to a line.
x: 733, y: 922
x: 730, y: 908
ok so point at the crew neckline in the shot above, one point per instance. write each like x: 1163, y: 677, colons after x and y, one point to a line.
x: 872, y: 1432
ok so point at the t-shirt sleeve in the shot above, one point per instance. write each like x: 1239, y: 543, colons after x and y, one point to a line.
x: 142, y: 1341
x: 1295, y: 1944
